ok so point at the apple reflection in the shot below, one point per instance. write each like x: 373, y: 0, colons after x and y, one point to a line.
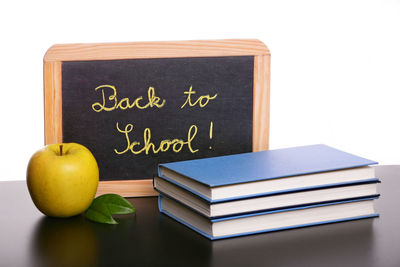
x: 65, y: 242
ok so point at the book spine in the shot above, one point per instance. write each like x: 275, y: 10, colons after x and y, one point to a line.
x: 159, y: 169
x: 183, y: 222
x: 206, y: 199
x: 159, y: 203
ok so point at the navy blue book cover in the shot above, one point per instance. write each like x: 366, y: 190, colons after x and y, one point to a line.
x: 263, y: 165
x: 372, y: 215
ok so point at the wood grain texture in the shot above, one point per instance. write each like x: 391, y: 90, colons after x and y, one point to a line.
x: 112, y: 51
x: 202, y: 48
x: 261, y: 102
x: 52, y: 103
x: 136, y: 188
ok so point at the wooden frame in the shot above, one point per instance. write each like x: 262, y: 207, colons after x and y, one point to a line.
x: 110, y: 51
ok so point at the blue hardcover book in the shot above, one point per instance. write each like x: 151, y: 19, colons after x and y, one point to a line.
x: 271, y: 201
x: 268, y: 221
x: 258, y: 173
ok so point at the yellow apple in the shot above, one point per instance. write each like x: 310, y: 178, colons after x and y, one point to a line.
x: 62, y: 179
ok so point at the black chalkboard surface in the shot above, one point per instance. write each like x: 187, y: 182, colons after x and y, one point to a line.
x: 218, y: 119
x: 135, y: 105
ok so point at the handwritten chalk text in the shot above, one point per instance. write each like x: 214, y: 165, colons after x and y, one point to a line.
x: 199, y: 101
x: 111, y: 103
x: 136, y: 147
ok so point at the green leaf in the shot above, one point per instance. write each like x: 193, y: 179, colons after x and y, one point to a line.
x: 104, y: 206
x: 116, y: 204
x: 98, y: 212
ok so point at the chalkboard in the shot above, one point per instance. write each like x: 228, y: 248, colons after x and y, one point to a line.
x: 135, y: 112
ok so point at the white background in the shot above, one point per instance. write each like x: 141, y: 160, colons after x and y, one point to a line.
x: 335, y: 65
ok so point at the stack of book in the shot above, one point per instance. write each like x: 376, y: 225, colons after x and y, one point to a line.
x: 266, y: 191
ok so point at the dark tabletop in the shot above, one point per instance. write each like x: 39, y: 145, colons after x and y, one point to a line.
x: 27, y: 238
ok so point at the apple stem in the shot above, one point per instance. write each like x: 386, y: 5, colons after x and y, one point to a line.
x: 61, y: 146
